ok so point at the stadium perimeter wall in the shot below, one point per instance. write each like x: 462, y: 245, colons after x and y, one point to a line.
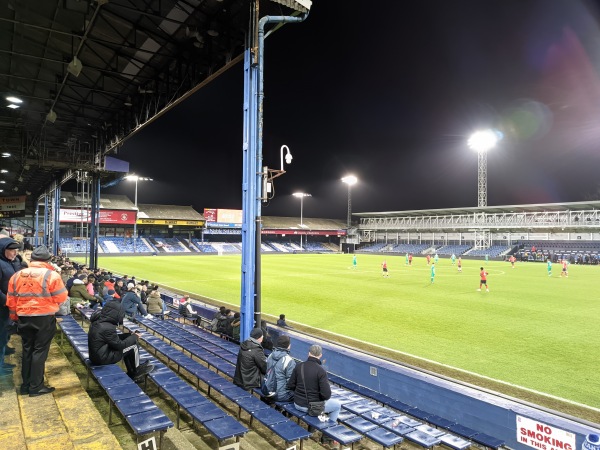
x: 474, y: 408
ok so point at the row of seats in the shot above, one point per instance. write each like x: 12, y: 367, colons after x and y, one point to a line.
x: 361, y: 418
x: 140, y: 412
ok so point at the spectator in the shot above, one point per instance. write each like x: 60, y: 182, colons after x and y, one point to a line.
x: 281, y: 322
x: 251, y: 364
x: 267, y: 342
x: 9, y: 265
x: 108, y: 347
x: 155, y: 304
x: 314, y: 385
x: 132, y: 304
x: 120, y: 289
x: 81, y: 295
x: 34, y: 297
x: 224, y: 322
x: 109, y: 297
x: 144, y: 292
x: 283, y: 364
x: 186, y: 310
x: 235, y: 327
x: 218, y: 316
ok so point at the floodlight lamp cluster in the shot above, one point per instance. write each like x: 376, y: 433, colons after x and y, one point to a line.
x: 350, y: 180
x: 483, y: 140
x: 301, y: 194
x: 137, y: 178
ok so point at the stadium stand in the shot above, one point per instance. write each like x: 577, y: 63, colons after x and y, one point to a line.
x: 493, y: 251
x: 448, y: 250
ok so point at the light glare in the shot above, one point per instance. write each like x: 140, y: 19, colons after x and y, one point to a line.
x: 350, y: 180
x: 483, y: 140
x: 14, y: 99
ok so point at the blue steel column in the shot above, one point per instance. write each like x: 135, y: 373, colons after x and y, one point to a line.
x: 249, y: 187
x: 36, y: 229
x: 94, y: 216
x: 46, y: 230
x: 56, y: 220
x: 252, y: 176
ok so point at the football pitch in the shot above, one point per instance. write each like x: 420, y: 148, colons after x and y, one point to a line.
x: 531, y: 330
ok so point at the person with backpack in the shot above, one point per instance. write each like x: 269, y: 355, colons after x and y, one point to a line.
x: 280, y: 366
x: 216, y: 318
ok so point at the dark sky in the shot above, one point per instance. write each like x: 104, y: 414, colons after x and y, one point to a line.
x: 391, y: 93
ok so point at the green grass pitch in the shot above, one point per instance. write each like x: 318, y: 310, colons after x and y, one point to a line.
x: 531, y: 330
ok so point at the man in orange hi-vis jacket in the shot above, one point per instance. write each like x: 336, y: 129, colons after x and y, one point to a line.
x: 33, y: 298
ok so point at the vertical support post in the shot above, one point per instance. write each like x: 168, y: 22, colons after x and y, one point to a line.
x: 56, y: 220
x: 46, y: 229
x: 36, y: 229
x: 94, y: 219
x: 349, y: 221
x: 136, y: 214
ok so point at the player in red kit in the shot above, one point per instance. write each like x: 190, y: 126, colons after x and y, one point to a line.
x: 565, y: 270
x: 483, y: 280
x: 512, y: 260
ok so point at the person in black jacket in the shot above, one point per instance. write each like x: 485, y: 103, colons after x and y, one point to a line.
x: 316, y: 382
x: 108, y: 347
x: 251, y: 364
x: 9, y: 265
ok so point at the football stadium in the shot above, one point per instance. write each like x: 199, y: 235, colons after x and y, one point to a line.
x: 127, y: 325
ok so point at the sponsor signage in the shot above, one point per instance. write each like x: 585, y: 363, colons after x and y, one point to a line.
x: 543, y: 436
x: 223, y: 225
x: 12, y: 206
x: 306, y: 232
x: 107, y: 216
x: 223, y: 216
x: 210, y: 214
x: 193, y: 223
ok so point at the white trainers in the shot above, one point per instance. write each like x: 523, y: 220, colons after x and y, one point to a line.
x: 148, y: 316
x: 323, y: 417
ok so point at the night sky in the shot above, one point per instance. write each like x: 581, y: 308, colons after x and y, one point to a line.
x: 391, y: 94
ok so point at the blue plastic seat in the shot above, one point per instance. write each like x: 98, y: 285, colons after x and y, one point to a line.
x: 360, y: 407
x: 430, y: 430
x: 487, y: 440
x: 342, y: 434
x: 397, y: 427
x: 462, y: 431
x: 317, y: 424
x: 289, y: 431
x: 225, y: 427
x: 423, y: 439
x: 454, y: 442
x: 409, y: 421
x: 269, y: 416
x: 384, y: 437
x: 360, y: 424
x: 149, y: 421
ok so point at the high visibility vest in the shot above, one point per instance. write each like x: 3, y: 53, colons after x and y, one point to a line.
x: 35, y: 291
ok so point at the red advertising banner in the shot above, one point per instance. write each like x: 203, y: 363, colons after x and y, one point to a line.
x: 210, y: 214
x: 107, y: 216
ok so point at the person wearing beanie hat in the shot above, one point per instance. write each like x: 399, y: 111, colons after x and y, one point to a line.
x: 108, y: 297
x: 35, y: 295
x: 282, y: 366
x: 9, y: 265
x: 251, y: 364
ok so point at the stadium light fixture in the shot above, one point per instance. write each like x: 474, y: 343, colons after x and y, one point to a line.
x: 301, y: 196
x: 350, y: 180
x: 483, y: 140
x: 136, y: 178
x: 13, y: 99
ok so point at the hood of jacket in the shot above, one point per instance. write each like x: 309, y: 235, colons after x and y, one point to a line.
x: 112, y: 312
x: 78, y: 281
x: 279, y: 353
x: 5, y: 242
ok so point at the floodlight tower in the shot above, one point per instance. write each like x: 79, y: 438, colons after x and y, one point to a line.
x: 301, y: 196
x: 350, y: 180
x: 482, y: 141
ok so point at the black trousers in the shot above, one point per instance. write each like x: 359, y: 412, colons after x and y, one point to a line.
x: 36, y: 333
x: 131, y: 356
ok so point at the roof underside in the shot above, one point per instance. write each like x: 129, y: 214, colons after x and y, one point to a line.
x: 137, y: 59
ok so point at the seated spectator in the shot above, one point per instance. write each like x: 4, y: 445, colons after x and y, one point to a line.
x: 120, y: 289
x: 132, y: 304
x: 267, y: 342
x: 235, y: 327
x: 155, y: 304
x: 313, y: 386
x: 218, y: 316
x: 109, y: 297
x: 281, y: 322
x: 106, y: 346
x: 283, y: 364
x: 80, y: 295
x: 186, y: 310
x: 224, y: 322
x: 251, y: 364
